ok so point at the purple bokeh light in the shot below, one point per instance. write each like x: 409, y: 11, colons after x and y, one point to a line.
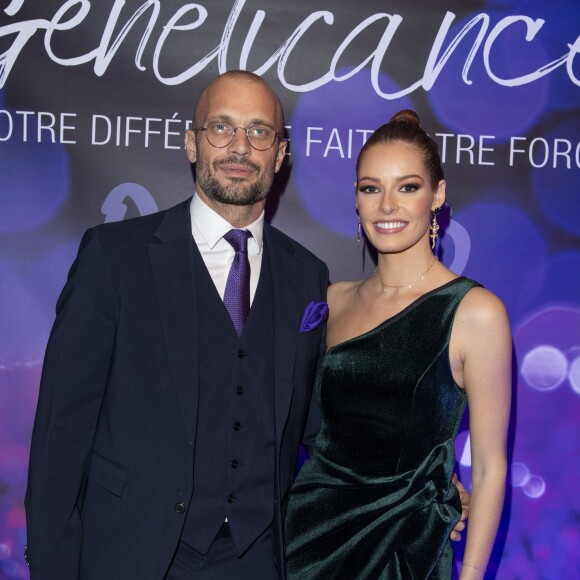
x: 326, y: 141
x: 505, y: 247
x: 486, y: 107
x: 547, y: 428
x: 560, y: 28
x: 556, y: 180
x: 35, y: 177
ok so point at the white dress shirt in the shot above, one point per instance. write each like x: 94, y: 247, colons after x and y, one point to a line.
x: 208, y: 229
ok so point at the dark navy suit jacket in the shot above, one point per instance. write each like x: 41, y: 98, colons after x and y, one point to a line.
x: 111, y: 463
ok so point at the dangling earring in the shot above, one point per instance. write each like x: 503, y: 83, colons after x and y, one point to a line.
x: 358, y: 231
x: 434, y: 227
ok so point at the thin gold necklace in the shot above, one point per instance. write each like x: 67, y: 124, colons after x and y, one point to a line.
x: 409, y: 284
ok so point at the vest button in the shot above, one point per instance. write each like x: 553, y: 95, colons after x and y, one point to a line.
x: 241, y: 354
x: 240, y: 391
x: 180, y: 507
x: 234, y: 464
x: 231, y: 498
x: 237, y: 426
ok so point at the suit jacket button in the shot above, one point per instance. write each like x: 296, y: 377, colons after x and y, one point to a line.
x: 180, y: 507
x: 231, y: 498
x: 241, y: 354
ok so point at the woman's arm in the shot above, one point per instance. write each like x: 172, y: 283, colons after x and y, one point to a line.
x: 485, y: 346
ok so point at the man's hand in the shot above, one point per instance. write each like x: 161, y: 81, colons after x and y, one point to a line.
x: 465, y: 497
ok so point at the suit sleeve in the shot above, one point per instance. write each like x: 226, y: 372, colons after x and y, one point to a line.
x: 74, y: 377
x: 313, y: 421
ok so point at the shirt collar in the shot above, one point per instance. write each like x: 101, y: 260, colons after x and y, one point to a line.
x: 213, y: 227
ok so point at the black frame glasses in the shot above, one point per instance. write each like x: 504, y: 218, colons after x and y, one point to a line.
x: 260, y: 136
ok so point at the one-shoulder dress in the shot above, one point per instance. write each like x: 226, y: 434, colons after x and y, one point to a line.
x: 375, y: 500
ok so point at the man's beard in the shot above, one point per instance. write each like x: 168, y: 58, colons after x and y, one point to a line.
x: 237, y: 191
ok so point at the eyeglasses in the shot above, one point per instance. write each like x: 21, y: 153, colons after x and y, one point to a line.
x: 221, y: 134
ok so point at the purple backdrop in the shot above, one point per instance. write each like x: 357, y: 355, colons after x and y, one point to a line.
x: 94, y: 99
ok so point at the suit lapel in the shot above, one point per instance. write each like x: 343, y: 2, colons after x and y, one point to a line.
x: 287, y: 271
x: 171, y: 259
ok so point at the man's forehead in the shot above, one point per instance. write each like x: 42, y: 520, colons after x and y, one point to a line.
x: 229, y: 99
x: 231, y: 91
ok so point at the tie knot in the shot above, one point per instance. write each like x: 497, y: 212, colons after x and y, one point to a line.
x: 238, y: 239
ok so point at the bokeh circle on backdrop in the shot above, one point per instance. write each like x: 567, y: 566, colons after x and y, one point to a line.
x: 486, y: 107
x: 328, y: 129
x: 35, y: 174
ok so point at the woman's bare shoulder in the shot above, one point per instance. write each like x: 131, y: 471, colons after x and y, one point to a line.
x: 481, y: 314
x: 480, y: 306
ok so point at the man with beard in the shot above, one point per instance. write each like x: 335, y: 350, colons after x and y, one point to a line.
x: 177, y: 381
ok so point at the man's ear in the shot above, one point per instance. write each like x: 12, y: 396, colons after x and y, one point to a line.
x: 190, y: 146
x: 280, y: 155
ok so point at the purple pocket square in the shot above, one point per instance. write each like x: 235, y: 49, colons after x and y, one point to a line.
x: 314, y: 315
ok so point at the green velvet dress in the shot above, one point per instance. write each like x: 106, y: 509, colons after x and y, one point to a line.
x: 375, y: 501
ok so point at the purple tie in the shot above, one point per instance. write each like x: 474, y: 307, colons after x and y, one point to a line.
x: 237, y: 293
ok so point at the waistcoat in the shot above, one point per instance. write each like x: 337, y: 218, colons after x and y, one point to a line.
x: 234, y: 446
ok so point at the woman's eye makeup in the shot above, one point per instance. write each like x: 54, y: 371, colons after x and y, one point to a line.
x: 410, y: 187
x: 368, y: 188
